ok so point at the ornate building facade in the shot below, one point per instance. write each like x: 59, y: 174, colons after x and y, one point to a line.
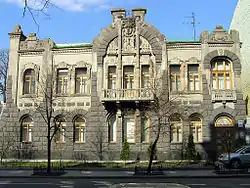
x: 102, y: 85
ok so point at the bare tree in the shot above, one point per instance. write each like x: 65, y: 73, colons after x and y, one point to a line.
x: 45, y: 107
x: 161, y: 107
x: 4, y: 59
x: 98, y: 144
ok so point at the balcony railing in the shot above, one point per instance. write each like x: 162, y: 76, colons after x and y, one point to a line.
x: 126, y: 94
x: 223, y: 95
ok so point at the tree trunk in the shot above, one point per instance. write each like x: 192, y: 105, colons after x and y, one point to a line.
x: 152, y: 152
x: 49, y: 154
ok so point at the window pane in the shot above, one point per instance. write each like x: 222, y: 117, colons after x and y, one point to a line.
x: 193, y: 68
x: 78, y: 83
x: 196, y: 83
x: 228, y: 83
x: 179, y: 134
x: 221, y: 81
x: 199, y: 135
x: 191, y: 84
x: 172, y: 84
x: 24, y: 133
x: 214, y: 82
x: 220, y: 65
x: 175, y: 68
x: 227, y: 65
x: 112, y: 129
x: 172, y: 135
x: 178, y: 86
x: 77, y: 133
x: 27, y: 86
x: 81, y: 71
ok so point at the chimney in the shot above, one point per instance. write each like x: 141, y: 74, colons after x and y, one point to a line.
x: 118, y: 13
x: 139, y: 12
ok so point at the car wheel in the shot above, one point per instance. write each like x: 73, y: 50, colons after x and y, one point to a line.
x: 235, y: 163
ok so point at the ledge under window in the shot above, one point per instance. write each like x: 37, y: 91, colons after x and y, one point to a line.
x: 28, y: 96
x: 81, y: 95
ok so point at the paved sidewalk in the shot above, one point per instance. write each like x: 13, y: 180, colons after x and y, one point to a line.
x: 120, y: 174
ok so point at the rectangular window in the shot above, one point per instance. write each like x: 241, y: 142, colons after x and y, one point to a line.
x: 60, y: 132
x: 129, y: 130
x: 26, y: 132
x: 128, y: 77
x: 175, y: 77
x: 112, y: 128
x: 176, y: 133
x: 145, y: 77
x: 196, y: 131
x: 79, y: 132
x: 62, y: 81
x: 81, y: 82
x: 112, y: 77
x: 193, y: 77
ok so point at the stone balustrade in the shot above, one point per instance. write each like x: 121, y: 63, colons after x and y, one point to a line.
x: 223, y: 95
x: 126, y: 94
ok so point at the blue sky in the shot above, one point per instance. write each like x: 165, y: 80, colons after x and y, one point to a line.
x: 81, y: 20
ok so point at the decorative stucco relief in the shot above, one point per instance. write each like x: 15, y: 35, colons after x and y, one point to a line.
x: 175, y: 60
x: 27, y: 66
x: 113, y: 46
x: 219, y: 35
x: 144, y: 45
x: 128, y: 35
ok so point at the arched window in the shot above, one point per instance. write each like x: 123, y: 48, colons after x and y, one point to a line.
x: 145, y: 129
x: 79, y: 129
x: 60, y: 128
x: 224, y: 121
x: 29, y: 84
x: 221, y: 74
x: 112, y: 128
x: 196, y: 127
x: 26, y: 129
x: 176, y: 128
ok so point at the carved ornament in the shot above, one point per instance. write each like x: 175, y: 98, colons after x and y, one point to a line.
x: 113, y: 46
x: 128, y: 35
x: 219, y: 35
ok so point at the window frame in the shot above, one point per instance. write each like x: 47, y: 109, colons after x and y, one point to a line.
x: 192, y: 75
x: 112, y: 78
x: 31, y: 80
x: 64, y: 87
x: 194, y: 124
x: 84, y: 81
x: 175, y: 126
x: 175, y: 76
x: 27, y: 126
x: 111, y: 124
x: 61, y: 133
x: 145, y: 75
x: 216, y: 72
x: 82, y: 130
x: 129, y: 78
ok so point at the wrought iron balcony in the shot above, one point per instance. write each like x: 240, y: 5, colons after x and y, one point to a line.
x: 223, y: 95
x: 126, y: 94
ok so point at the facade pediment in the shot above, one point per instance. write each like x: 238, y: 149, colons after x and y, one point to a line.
x: 219, y: 35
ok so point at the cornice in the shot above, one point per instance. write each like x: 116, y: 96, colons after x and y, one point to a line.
x: 21, y: 53
x: 220, y: 44
x: 75, y: 50
x: 183, y: 45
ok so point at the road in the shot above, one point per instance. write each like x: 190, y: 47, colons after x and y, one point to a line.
x: 114, y: 183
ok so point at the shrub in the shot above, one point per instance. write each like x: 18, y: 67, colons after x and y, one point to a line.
x: 125, y: 151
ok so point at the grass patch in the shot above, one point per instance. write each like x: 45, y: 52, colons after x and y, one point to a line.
x: 73, y: 164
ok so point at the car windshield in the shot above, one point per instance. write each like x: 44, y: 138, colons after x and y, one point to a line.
x: 237, y: 150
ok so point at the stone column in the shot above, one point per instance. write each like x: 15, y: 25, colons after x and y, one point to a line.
x: 137, y: 66
x: 119, y: 63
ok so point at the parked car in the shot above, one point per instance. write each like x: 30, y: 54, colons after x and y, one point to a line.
x: 238, y: 158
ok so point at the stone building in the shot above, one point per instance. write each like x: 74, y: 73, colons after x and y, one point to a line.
x: 241, y: 21
x: 102, y: 85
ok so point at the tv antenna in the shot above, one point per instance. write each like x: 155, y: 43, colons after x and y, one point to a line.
x: 193, y: 23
